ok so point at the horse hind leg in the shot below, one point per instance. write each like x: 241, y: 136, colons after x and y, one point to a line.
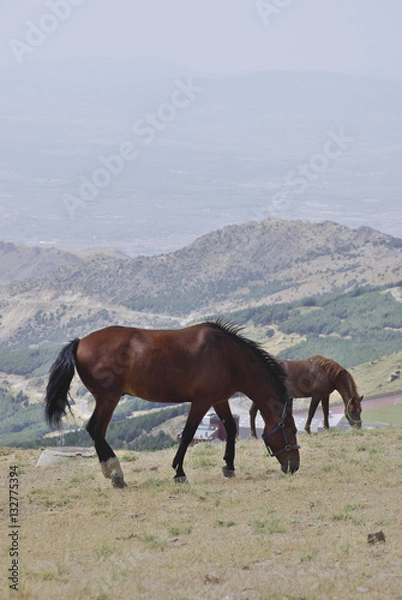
x: 224, y: 413
x: 110, y: 464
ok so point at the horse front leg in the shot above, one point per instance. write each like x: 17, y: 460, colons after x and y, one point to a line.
x: 311, y: 412
x: 110, y: 464
x: 253, y: 414
x: 197, y: 411
x: 325, y: 410
x: 224, y: 413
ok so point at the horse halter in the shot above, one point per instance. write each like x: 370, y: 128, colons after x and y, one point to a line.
x: 351, y: 421
x: 281, y: 427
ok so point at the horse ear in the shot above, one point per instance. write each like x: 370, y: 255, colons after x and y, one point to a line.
x: 361, y: 398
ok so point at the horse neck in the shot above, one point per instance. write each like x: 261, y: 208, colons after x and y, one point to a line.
x: 267, y: 394
x: 345, y: 386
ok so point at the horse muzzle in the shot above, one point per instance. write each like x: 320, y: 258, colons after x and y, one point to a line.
x: 355, y: 423
x: 290, y: 465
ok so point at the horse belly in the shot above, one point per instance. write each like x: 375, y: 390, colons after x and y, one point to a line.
x: 177, y: 385
x: 307, y: 386
x: 155, y: 391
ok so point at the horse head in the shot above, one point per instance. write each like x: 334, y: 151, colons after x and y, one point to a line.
x: 281, y: 443
x: 353, y: 411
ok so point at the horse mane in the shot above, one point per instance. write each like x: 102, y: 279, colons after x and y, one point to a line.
x: 335, y: 370
x: 269, y: 361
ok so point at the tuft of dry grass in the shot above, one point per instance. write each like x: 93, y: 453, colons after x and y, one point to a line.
x: 260, y: 536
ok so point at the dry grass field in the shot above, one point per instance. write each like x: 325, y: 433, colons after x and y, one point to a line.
x: 261, y: 535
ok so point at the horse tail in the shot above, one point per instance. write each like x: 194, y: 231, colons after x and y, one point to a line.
x: 60, y: 376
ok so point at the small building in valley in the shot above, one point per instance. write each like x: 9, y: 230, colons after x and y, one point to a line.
x: 211, y: 429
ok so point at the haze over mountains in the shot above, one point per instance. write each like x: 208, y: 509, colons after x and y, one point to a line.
x: 199, y: 152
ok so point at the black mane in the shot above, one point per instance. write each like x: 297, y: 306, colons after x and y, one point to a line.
x: 275, y: 369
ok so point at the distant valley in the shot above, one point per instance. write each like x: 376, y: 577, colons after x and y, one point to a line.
x: 241, y: 147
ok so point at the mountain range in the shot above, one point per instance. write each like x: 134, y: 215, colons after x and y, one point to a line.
x: 51, y: 293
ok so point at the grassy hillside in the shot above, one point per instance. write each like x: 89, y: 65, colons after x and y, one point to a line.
x: 20, y: 422
x: 375, y: 376
x: 360, y: 329
x: 259, y: 535
x: 23, y: 424
x: 352, y: 328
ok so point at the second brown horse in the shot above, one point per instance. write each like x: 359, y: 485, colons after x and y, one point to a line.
x: 317, y: 377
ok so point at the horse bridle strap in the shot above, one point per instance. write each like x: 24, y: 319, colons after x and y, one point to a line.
x: 280, y: 427
x: 348, y: 416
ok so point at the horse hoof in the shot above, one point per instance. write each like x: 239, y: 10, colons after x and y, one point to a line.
x: 118, y: 482
x: 180, y: 479
x: 228, y: 472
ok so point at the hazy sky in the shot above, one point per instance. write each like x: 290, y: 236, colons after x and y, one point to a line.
x: 213, y: 35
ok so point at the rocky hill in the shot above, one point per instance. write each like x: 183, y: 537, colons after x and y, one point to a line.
x: 19, y: 262
x: 240, y: 265
x: 257, y: 261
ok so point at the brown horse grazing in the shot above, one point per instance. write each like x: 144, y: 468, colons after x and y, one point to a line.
x: 203, y: 364
x: 318, y: 377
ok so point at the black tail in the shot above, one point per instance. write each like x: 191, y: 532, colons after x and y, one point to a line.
x: 60, y: 376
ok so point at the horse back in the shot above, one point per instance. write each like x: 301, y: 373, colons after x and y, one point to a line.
x: 158, y: 365
x: 306, y: 378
